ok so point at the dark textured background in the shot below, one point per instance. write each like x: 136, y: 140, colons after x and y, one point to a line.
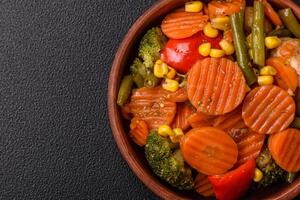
x: 55, y: 139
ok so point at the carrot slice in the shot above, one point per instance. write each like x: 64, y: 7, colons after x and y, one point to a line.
x: 184, y: 110
x: 138, y: 131
x: 209, y: 150
x: 285, y: 149
x: 249, y: 145
x: 271, y: 13
x: 230, y: 122
x: 286, y: 76
x: 203, y: 186
x: 268, y: 109
x: 199, y: 119
x: 179, y: 96
x: 223, y: 8
x: 181, y: 24
x: 216, y: 86
x: 152, y: 106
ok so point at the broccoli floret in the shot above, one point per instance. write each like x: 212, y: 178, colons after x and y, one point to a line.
x: 166, y: 161
x: 272, y: 173
x: 151, y: 45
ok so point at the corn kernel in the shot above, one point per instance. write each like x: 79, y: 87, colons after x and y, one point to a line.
x: 171, y: 85
x: 272, y: 42
x: 265, y: 80
x: 172, y: 73
x: 258, y: 175
x: 193, y: 6
x: 204, y: 49
x: 227, y: 47
x: 216, y: 53
x: 221, y: 23
x: 178, y: 134
x: 160, y: 69
x: 209, y: 31
x: 165, y: 131
x: 268, y: 71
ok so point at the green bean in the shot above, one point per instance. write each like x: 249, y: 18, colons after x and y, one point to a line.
x: 290, y: 21
x: 241, y: 15
x: 290, y: 177
x: 296, y: 123
x: 241, y: 49
x: 281, y: 33
x: 125, y: 90
x: 258, y: 34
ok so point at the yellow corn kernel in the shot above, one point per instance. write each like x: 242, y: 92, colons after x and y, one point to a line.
x: 216, y: 53
x: 193, y: 6
x: 272, y: 42
x: 209, y: 31
x: 227, y: 47
x: 268, y: 71
x: 172, y: 73
x: 221, y: 23
x: 160, y: 69
x: 204, y: 49
x: 170, y: 85
x: 265, y: 80
x: 178, y: 134
x: 258, y: 175
x: 165, y: 131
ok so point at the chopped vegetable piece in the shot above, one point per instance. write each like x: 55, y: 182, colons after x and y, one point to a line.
x: 215, y: 86
x: 170, y: 85
x: 139, y: 131
x: 285, y: 149
x: 198, y: 120
x: 183, y: 54
x: 221, y: 23
x: 167, y: 163
x: 227, y: 47
x: 216, y: 53
x: 193, y: 6
x: 272, y: 42
x: 248, y: 22
x: 286, y: 76
x: 241, y: 50
x: 258, y: 34
x: 209, y: 150
x: 272, y: 173
x: 125, y: 90
x: 288, y: 4
x: 204, y: 49
x: 268, y: 71
x: 268, y: 109
x: 234, y: 184
x: 290, y: 21
x: 161, y: 69
x: 281, y: 33
x: 265, y: 80
x: 184, y: 110
x: 152, y: 106
x: 271, y: 13
x: 209, y: 31
x: 258, y: 175
x: 181, y: 24
x: 165, y: 131
x: 203, y: 186
x: 224, y: 8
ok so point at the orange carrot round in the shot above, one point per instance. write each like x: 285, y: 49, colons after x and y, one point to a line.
x: 151, y: 106
x: 184, y: 110
x: 285, y: 149
x: 268, y: 109
x: 209, y: 150
x: 223, y: 8
x: 180, y: 24
x: 203, y: 186
x: 286, y: 76
x: 249, y: 145
x: 138, y: 131
x: 179, y: 96
x: 216, y: 86
x: 198, y: 120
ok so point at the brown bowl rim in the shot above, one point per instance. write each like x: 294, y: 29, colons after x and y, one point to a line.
x: 118, y: 132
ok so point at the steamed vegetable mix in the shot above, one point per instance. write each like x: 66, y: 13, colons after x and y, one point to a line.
x: 212, y: 97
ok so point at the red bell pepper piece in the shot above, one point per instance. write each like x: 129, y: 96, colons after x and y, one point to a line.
x: 234, y: 184
x: 182, y: 54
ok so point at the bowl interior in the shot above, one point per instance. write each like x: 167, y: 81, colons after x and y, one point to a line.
x: 133, y: 154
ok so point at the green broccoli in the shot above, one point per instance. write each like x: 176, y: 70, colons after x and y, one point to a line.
x: 272, y: 173
x: 166, y: 161
x: 151, y: 45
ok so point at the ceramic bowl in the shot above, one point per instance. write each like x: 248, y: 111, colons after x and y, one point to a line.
x: 133, y: 154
